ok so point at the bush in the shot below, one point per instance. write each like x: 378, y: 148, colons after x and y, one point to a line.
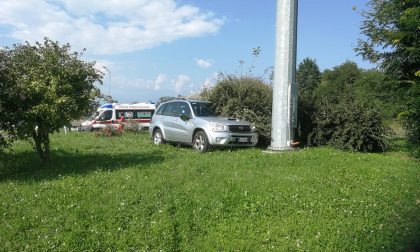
x: 350, y: 125
x: 246, y: 98
x: 131, y: 126
x: 109, y: 132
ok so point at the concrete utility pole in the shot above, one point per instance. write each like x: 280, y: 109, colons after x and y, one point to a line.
x: 284, y: 117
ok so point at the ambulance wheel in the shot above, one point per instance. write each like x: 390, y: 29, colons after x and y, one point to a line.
x: 158, y: 137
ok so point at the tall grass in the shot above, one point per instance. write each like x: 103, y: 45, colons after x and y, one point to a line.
x: 124, y: 193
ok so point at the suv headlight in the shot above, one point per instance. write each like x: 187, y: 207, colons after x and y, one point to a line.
x: 219, y: 126
x: 253, y: 128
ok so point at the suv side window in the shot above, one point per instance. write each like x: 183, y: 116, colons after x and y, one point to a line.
x: 171, y: 109
x: 184, y: 109
x: 160, y: 110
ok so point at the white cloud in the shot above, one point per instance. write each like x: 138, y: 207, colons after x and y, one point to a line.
x: 180, y: 82
x: 204, y: 63
x: 160, y: 79
x: 106, y: 26
x: 102, y: 64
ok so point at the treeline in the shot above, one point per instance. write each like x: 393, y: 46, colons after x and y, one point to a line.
x: 346, y: 107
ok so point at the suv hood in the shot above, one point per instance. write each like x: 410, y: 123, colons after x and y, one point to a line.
x: 225, y: 120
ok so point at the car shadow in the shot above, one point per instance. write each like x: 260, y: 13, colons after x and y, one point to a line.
x: 26, y: 166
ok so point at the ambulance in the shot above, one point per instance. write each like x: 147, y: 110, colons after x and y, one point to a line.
x: 115, y: 115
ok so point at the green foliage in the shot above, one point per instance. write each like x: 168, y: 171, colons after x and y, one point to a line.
x: 125, y: 194
x: 373, y: 86
x: 308, y: 78
x: 349, y: 108
x: 391, y: 29
x: 246, y: 98
x: 335, y: 81
x: 411, y: 115
x: 350, y: 125
x: 43, y: 88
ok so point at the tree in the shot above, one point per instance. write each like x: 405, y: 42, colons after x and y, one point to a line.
x: 308, y: 78
x: 391, y: 29
x: 336, y: 81
x: 43, y: 87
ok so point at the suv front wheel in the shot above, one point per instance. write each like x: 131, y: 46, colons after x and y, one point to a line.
x: 200, y: 142
x: 158, y: 137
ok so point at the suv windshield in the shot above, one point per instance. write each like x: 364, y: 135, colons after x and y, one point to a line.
x: 203, y: 109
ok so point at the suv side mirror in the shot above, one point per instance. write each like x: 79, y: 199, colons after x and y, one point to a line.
x: 184, y: 117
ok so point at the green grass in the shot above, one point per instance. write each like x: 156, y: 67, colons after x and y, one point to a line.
x: 123, y: 193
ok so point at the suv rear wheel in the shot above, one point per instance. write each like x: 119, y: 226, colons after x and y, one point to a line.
x: 200, y: 142
x: 158, y: 137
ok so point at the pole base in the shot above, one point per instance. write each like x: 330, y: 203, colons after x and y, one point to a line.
x: 273, y: 150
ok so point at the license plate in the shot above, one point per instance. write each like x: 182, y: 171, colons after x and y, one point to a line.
x: 243, y: 140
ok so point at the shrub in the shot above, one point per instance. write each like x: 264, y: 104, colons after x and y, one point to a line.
x: 131, y: 126
x: 109, y: 132
x: 247, y: 98
x: 349, y: 125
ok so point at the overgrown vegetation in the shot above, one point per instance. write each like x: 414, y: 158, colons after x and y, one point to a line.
x: 127, y: 194
x: 344, y: 115
x: 344, y: 107
x: 391, y: 40
x: 349, y: 125
x: 248, y: 98
x: 308, y: 78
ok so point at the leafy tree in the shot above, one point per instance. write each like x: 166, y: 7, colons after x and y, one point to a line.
x: 3, y: 78
x: 391, y: 29
x: 308, y: 77
x: 43, y: 87
x: 247, y: 98
x: 334, y: 82
x: 373, y: 86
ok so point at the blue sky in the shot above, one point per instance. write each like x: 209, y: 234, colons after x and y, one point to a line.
x: 157, y: 48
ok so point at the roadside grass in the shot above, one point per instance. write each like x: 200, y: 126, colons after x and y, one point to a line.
x: 124, y: 193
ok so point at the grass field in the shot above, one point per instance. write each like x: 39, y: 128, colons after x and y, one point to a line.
x: 123, y: 193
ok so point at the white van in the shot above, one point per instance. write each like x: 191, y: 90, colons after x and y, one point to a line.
x: 113, y: 115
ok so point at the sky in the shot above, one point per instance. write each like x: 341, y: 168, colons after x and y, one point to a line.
x: 153, y: 48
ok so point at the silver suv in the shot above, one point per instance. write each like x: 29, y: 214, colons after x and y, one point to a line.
x: 193, y: 122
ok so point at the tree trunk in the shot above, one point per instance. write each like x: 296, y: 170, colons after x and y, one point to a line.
x: 42, y: 145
